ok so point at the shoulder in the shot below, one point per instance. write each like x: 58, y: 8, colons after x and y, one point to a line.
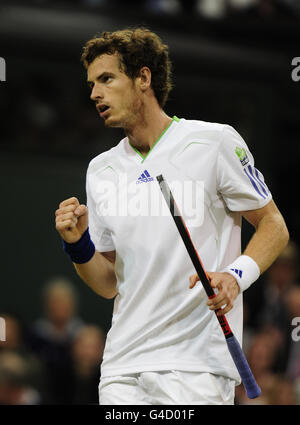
x: 221, y: 133
x: 202, y: 125
x: 204, y: 129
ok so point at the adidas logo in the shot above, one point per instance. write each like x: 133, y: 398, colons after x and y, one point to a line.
x: 238, y: 272
x: 144, y: 178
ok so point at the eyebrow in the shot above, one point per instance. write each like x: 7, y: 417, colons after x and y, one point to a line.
x: 101, y: 76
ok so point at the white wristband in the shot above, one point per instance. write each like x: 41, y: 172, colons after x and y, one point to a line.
x: 245, y: 270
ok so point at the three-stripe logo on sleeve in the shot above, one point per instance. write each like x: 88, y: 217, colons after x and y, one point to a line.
x: 256, y: 180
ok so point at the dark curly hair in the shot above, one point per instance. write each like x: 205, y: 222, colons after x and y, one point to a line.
x: 136, y: 47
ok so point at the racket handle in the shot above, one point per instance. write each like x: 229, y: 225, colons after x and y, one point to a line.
x: 250, y: 385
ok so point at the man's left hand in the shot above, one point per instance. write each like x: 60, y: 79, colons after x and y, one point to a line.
x: 227, y: 290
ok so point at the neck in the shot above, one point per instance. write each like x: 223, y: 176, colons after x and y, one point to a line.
x: 147, y: 129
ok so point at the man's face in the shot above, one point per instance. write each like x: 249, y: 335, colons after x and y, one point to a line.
x: 116, y: 96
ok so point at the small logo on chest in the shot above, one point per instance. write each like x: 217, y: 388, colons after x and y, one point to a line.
x: 144, y: 178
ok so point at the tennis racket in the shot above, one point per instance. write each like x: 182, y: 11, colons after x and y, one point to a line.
x: 250, y: 385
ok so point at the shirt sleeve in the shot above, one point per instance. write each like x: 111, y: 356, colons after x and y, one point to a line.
x: 240, y: 184
x: 100, y: 234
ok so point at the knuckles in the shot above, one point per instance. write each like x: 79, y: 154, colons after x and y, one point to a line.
x: 69, y: 201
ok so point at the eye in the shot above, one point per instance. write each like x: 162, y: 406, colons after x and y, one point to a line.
x: 106, y: 79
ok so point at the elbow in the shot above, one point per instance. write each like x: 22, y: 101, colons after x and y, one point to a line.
x: 109, y: 296
x: 110, y: 291
x: 284, y: 234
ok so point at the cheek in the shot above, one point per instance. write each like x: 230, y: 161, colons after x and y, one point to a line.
x: 131, y: 99
x: 135, y: 105
x: 128, y: 106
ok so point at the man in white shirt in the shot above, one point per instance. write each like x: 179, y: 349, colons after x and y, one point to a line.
x: 165, y: 345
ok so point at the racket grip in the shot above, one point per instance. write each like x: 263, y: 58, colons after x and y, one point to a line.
x: 250, y: 385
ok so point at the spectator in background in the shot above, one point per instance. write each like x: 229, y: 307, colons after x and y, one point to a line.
x: 21, y: 374
x: 281, y: 278
x: 261, y: 354
x: 13, y: 337
x: 272, y: 353
x: 15, y: 380
x: 283, y: 392
x: 51, y: 337
x: 87, y: 352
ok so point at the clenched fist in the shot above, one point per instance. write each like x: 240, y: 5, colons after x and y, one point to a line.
x: 71, y: 220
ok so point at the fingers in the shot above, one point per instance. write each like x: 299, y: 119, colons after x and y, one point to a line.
x: 226, y: 291
x: 193, y: 280
x: 66, y: 217
x: 70, y: 205
x: 65, y: 225
x: 81, y: 210
x: 221, y: 298
x: 66, y: 221
x: 69, y: 201
x: 71, y: 208
x: 224, y: 304
x: 65, y: 210
x: 71, y: 219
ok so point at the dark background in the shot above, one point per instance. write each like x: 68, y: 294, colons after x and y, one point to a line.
x: 233, y: 69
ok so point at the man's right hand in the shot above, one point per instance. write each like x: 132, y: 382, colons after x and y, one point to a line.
x: 71, y: 220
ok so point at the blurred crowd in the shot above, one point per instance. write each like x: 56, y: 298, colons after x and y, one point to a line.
x: 206, y: 8
x: 57, y: 358
x: 272, y: 332
x: 54, y: 360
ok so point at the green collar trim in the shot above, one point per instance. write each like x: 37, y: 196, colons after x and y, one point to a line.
x: 165, y: 130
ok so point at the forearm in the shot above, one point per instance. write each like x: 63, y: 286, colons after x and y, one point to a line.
x: 269, y: 239
x: 99, y: 274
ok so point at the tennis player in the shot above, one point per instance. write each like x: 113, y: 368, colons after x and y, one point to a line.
x: 165, y: 345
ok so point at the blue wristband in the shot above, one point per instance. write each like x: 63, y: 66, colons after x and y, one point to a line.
x: 81, y: 251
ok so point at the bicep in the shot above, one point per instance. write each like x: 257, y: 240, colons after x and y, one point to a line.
x: 255, y: 216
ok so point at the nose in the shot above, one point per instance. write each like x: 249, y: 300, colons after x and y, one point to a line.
x: 96, y: 93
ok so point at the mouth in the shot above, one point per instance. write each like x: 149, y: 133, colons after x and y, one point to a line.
x: 102, y: 109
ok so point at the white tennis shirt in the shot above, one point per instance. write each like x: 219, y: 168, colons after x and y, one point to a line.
x: 158, y: 322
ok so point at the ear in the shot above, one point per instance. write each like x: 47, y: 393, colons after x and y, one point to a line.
x: 144, y: 78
